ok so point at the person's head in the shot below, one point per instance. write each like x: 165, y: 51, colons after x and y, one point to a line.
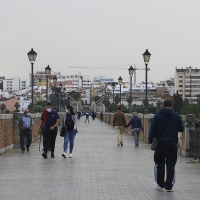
x: 49, y: 107
x: 135, y: 114
x: 70, y: 110
x: 119, y: 108
x: 26, y: 111
x: 167, y: 103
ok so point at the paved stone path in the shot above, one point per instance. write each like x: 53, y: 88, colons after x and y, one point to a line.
x: 98, y: 170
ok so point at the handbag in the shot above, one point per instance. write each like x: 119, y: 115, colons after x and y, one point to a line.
x: 154, y: 144
x: 62, y: 134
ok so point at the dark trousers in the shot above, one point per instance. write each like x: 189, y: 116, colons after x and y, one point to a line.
x: 165, y: 154
x: 28, y: 134
x: 49, y: 139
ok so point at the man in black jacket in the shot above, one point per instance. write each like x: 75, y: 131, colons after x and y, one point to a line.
x: 167, y: 146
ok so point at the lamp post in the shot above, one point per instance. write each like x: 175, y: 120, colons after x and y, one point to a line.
x: 60, y: 86
x: 68, y: 97
x: 47, y: 72
x: 146, y: 56
x: 131, y: 71
x: 120, y: 84
x: 32, y: 57
x: 113, y: 87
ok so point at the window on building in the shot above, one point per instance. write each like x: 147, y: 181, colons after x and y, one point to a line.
x: 180, y: 86
x: 180, y: 76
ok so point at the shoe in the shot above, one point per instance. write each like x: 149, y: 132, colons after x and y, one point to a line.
x: 44, y: 155
x: 52, y: 155
x: 64, y: 155
x: 70, y: 155
x: 136, y: 145
x: 158, y: 187
x: 23, y: 151
x: 169, y: 190
x: 84, y: 122
x: 121, y: 144
x: 27, y: 149
x: 118, y: 145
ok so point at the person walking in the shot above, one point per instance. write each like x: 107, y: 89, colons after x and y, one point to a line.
x: 136, y: 127
x: 101, y: 116
x: 25, y: 123
x: 48, y: 125
x: 69, y: 121
x: 86, y: 117
x: 165, y: 126
x: 119, y: 123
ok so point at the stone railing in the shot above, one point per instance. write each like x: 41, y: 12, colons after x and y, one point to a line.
x: 184, y: 138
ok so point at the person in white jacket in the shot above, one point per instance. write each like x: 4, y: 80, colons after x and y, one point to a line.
x: 69, y: 121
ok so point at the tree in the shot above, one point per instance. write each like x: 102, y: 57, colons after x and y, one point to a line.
x: 96, y: 98
x: 17, y: 105
x: 7, y: 111
x: 117, y: 99
x: 177, y: 102
x: 129, y: 100
x: 2, y: 107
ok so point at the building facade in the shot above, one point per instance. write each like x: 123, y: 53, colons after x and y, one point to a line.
x: 187, y: 83
x: 14, y: 84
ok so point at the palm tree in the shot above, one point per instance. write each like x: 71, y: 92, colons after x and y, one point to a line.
x: 2, y: 107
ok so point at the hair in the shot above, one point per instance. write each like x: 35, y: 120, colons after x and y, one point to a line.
x: 71, y: 109
x: 48, y: 104
x: 119, y: 108
x: 135, y: 114
x: 167, y: 103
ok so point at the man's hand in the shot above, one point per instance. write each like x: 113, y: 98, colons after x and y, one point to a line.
x: 31, y: 128
x: 74, y: 129
x: 52, y: 127
x: 22, y: 128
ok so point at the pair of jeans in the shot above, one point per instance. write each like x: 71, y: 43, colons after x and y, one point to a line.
x: 87, y: 119
x: 28, y: 134
x: 49, y: 139
x: 120, y: 132
x: 136, y: 136
x: 69, y: 137
x: 166, y: 154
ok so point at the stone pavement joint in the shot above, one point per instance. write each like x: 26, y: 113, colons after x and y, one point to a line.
x: 98, y: 170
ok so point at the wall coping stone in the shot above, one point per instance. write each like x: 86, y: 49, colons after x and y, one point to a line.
x: 6, y: 116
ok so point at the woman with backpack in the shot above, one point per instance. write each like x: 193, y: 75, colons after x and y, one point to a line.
x: 136, y: 127
x: 69, y: 121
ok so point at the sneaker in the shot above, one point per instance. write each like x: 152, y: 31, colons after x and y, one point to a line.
x: 158, y: 187
x: 136, y: 145
x: 44, y: 155
x: 169, y: 190
x: 70, y: 155
x: 118, y: 145
x: 64, y: 155
x: 23, y: 151
x: 52, y: 155
x: 121, y: 144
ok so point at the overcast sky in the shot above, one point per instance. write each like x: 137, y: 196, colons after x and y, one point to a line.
x: 93, y: 33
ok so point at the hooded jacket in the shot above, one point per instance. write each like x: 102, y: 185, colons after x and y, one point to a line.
x: 173, y: 126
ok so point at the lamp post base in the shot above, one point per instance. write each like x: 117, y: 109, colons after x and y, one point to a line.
x: 146, y: 111
x: 32, y: 110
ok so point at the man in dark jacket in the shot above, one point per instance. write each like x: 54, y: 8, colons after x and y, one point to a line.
x: 165, y: 126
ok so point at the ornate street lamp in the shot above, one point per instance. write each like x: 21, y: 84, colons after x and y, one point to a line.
x: 32, y: 57
x: 120, y: 84
x: 131, y: 71
x: 113, y: 87
x: 47, y: 72
x: 146, y: 56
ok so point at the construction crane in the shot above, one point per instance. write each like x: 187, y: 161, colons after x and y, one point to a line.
x: 135, y: 69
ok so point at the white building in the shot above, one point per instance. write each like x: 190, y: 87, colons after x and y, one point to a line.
x: 24, y: 102
x: 187, y: 83
x: 14, y: 84
x: 85, y: 96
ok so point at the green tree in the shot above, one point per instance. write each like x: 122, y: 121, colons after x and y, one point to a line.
x: 117, y: 99
x: 17, y: 105
x: 2, y: 107
x: 96, y: 98
x: 7, y: 111
x: 177, y: 102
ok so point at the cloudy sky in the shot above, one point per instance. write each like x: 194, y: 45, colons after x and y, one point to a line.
x: 100, y: 33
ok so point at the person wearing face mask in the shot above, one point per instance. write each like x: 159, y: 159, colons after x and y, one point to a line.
x: 25, y: 123
x: 69, y: 121
x: 49, y: 122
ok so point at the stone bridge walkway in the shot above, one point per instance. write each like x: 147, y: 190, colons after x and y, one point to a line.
x: 98, y: 170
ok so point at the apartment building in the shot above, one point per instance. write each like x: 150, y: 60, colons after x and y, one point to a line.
x: 187, y: 83
x: 14, y: 84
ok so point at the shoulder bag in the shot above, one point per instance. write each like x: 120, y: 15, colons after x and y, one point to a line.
x: 154, y: 144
